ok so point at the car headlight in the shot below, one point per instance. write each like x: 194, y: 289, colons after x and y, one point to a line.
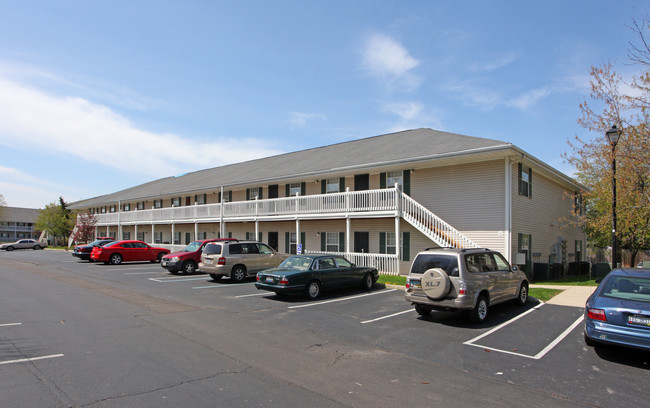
x: 174, y: 259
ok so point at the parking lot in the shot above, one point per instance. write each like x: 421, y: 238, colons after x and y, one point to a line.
x: 83, y: 334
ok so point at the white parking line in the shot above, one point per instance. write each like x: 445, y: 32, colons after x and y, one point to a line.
x: 341, y: 299
x: 10, y: 324
x: 175, y: 279
x: 24, y: 360
x: 389, y: 316
x: 537, y: 356
x: 140, y: 273
x: 254, y: 294
x: 237, y: 285
x: 135, y: 269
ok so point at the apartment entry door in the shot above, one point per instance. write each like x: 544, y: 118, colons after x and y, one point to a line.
x: 273, y: 240
x: 361, y: 242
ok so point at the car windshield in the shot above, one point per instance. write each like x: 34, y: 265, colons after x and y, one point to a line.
x: 424, y: 262
x: 296, y: 262
x: 111, y: 243
x: 193, y: 246
x: 627, y: 287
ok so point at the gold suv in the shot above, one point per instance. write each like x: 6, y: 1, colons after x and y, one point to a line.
x: 238, y: 259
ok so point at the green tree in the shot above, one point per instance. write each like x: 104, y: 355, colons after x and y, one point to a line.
x: 625, y: 103
x: 57, y: 220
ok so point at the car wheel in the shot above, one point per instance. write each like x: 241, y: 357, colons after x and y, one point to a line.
x: 523, y: 294
x: 422, y: 310
x: 367, y: 281
x: 480, y: 311
x: 115, y: 259
x: 216, y: 277
x: 238, y: 273
x: 37, y: 247
x: 10, y: 248
x: 189, y: 267
x: 313, y: 290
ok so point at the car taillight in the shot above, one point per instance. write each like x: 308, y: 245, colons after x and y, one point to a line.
x: 257, y: 277
x: 222, y: 261
x: 597, y: 314
x: 462, y: 288
x: 284, y: 281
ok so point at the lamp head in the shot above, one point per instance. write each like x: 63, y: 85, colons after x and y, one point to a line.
x: 613, y: 135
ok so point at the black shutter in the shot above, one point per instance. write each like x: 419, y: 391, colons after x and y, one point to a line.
x: 303, y: 188
x: 323, y: 186
x: 302, y: 242
x: 382, y: 242
x: 382, y: 180
x: 323, y: 241
x: 406, y: 244
x: 519, y: 170
x: 287, y: 190
x: 341, y: 184
x: 530, y: 183
x: 407, y: 182
x: 248, y: 194
x: 341, y: 241
x: 287, y: 243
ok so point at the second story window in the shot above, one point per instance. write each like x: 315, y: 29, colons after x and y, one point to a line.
x: 157, y: 203
x: 332, y: 185
x: 126, y: 207
x: 525, y: 181
x: 254, y: 193
x: 295, y: 189
x: 176, y: 202
x: 394, y: 177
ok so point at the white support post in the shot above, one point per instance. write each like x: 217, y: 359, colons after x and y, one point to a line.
x: 398, y: 215
x: 297, y: 234
x: 348, y: 229
x: 119, y: 223
x: 222, y: 227
x: 153, y: 233
x: 196, y: 231
x: 257, y: 230
x: 173, y: 232
x: 136, y: 231
x: 507, y: 228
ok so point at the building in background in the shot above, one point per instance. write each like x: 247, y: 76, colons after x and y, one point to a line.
x: 378, y: 200
x: 18, y: 223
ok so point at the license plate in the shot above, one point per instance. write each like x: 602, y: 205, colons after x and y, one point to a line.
x: 208, y: 261
x: 639, y: 320
x: 269, y: 279
x: 416, y: 284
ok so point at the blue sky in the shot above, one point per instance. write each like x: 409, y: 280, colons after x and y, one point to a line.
x: 98, y: 96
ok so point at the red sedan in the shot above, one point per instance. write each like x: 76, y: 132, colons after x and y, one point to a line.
x: 125, y: 251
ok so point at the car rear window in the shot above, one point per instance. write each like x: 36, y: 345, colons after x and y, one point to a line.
x: 212, y: 249
x: 627, y: 287
x: 424, y: 262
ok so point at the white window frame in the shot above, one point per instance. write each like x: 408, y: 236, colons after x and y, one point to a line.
x: 295, y: 189
x: 254, y: 193
x: 332, y: 242
x: 332, y: 185
x: 393, y: 177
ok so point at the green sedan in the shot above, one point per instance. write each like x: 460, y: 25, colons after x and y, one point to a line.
x: 312, y: 274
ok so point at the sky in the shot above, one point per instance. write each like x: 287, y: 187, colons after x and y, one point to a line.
x: 99, y: 96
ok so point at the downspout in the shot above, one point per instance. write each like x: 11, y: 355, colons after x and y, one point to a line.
x: 508, y: 210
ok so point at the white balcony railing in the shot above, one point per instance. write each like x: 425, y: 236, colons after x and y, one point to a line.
x: 386, y: 264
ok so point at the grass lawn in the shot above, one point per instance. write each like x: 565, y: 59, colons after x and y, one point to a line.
x: 572, y: 281
x: 539, y: 293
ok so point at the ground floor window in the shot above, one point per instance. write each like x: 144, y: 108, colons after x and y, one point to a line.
x: 203, y: 235
x: 388, y: 244
x: 141, y: 236
x: 578, y: 250
x: 157, y: 237
x: 126, y: 235
x: 177, y: 238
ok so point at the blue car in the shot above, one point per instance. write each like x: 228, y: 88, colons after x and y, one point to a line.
x: 618, y: 312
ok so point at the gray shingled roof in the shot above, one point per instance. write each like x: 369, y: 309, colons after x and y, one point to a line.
x: 368, y: 152
x: 19, y: 214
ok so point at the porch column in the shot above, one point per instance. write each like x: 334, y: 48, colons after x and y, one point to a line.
x: 107, y: 231
x: 173, y: 232
x: 297, y: 233
x: 222, y: 227
x: 153, y: 233
x: 398, y: 215
x: 196, y: 231
x: 135, y: 226
x: 257, y: 230
x: 348, y: 229
x: 119, y: 221
x: 96, y: 232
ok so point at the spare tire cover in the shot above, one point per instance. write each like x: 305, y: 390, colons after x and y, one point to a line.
x: 435, y: 283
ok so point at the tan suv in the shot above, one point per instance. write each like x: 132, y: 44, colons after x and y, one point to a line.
x: 237, y: 259
x: 449, y: 279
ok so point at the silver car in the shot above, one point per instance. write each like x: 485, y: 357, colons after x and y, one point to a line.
x: 24, y: 244
x: 237, y: 259
x: 450, y: 279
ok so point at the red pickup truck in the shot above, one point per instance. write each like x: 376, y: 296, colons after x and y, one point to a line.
x: 187, y: 260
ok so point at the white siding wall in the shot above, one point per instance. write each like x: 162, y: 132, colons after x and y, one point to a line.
x: 545, y: 216
x: 470, y: 197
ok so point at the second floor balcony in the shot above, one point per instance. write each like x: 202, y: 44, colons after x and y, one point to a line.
x: 382, y: 202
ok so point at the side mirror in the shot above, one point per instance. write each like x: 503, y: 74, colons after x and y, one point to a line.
x: 515, y: 268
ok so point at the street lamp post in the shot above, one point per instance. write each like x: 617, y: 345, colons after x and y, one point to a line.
x: 613, y: 135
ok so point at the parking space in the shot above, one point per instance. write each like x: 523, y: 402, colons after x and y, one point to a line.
x: 510, y: 330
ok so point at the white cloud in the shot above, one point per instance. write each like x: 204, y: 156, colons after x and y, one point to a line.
x: 495, y: 64
x: 24, y: 190
x: 300, y: 119
x: 412, y: 115
x: 528, y: 99
x: 405, y: 110
x: 387, y: 59
x: 31, y: 119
